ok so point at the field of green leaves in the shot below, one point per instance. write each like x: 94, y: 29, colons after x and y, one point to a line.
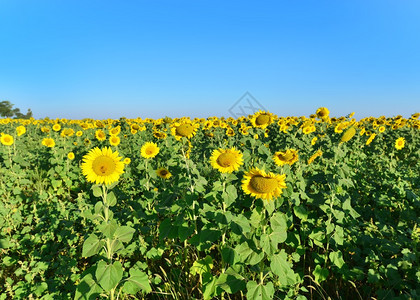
x: 259, y: 207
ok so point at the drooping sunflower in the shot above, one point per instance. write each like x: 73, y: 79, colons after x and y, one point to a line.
x: 149, y: 150
x: 370, y: 139
x: 226, y: 160
x: 262, y: 119
x: 399, y: 143
x: 348, y: 134
x: 185, y: 129
x: 102, y: 166
x: 163, y: 173
x: 311, y: 159
x: 48, y: 142
x: 288, y: 157
x: 114, y: 140
x: 260, y: 184
x: 6, y: 139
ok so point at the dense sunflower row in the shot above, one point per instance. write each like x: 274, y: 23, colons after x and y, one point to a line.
x: 216, y: 207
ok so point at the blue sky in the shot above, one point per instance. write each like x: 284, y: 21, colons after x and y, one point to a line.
x: 109, y: 59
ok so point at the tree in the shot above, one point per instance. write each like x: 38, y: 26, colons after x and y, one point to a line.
x: 7, y: 110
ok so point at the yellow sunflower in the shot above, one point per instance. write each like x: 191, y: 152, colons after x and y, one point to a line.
x: 311, y: 159
x: 262, y: 119
x: 322, y: 112
x: 226, y: 160
x: 70, y: 155
x: 348, y: 134
x: 114, y: 140
x: 115, y: 130
x: 163, y: 173
x: 127, y: 160
x: 260, y: 184
x: 20, y: 130
x: 100, y: 135
x: 370, y: 139
x: 48, y: 142
x: 6, y: 139
x: 102, y: 166
x: 399, y: 143
x: 289, y: 157
x: 185, y: 129
x: 57, y: 127
x: 149, y: 150
x: 79, y: 133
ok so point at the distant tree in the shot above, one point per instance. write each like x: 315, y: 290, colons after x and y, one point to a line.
x: 7, y: 110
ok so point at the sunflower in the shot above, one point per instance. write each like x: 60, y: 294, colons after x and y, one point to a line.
x: 163, y: 173
x: 149, y: 150
x: 79, y: 133
x: 311, y: 159
x: 262, y: 119
x: 381, y: 129
x: 100, y: 135
x: 289, y: 157
x: 57, y: 127
x: 20, y: 130
x: 6, y: 139
x: 322, y: 112
x: 70, y: 155
x: 399, y: 143
x: 114, y: 140
x: 115, y: 130
x: 185, y: 129
x: 226, y: 160
x: 370, y: 139
x: 313, y: 141
x: 348, y: 134
x: 102, y: 166
x: 127, y: 160
x: 48, y: 142
x: 260, y: 184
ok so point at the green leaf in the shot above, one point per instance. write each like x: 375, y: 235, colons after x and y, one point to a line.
x: 320, y: 274
x: 87, y: 289
x: 97, y: 190
x: 336, y: 258
x: 111, y: 199
x: 108, y: 228
x: 257, y: 291
x: 124, y: 233
x: 279, y: 222
x: 92, y: 245
x: 107, y: 275
x: 137, y: 281
x: 301, y: 212
x: 230, y: 283
x: 281, y: 267
x: 202, y: 266
x: 230, y: 195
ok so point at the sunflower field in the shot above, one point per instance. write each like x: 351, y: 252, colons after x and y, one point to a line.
x: 258, y: 207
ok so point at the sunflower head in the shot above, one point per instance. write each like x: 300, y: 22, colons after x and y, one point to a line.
x: 6, y: 139
x: 20, y: 130
x: 114, y: 140
x: 163, y: 173
x: 348, y: 134
x: 70, y: 155
x: 399, y: 143
x: 102, y: 166
x: 48, y: 142
x: 185, y: 129
x: 149, y: 150
x: 288, y: 157
x: 322, y: 112
x: 262, y: 119
x: 226, y: 160
x: 100, y: 135
x: 260, y: 184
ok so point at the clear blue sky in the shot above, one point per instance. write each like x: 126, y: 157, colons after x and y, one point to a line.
x: 108, y: 59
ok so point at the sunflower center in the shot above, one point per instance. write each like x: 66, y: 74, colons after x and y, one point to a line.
x: 103, y: 166
x: 163, y: 172
x: 149, y: 151
x: 226, y: 159
x: 184, y: 130
x: 286, y: 156
x: 263, y: 184
x: 7, y: 139
x: 262, y: 119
